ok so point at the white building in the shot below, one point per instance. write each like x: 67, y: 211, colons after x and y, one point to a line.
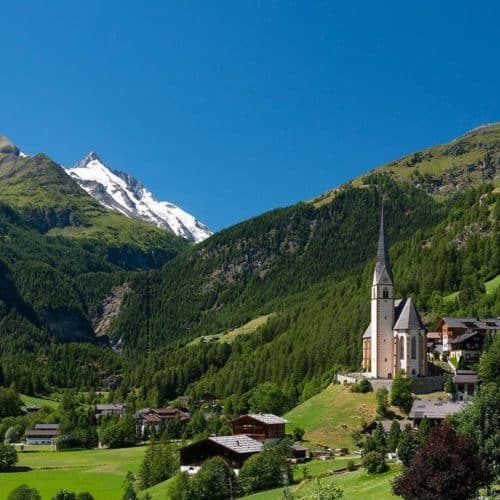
x: 395, y: 338
x: 42, y: 434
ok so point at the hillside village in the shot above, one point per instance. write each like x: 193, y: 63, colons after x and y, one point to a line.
x: 422, y: 381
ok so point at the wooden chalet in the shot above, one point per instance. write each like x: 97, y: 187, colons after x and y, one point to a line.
x: 148, y: 419
x: 260, y: 426
x: 110, y: 409
x: 42, y: 434
x: 235, y: 450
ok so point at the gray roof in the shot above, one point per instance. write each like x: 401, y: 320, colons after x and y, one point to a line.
x: 49, y: 433
x: 408, y: 319
x: 110, y: 407
x: 268, y: 418
x: 383, y: 263
x: 386, y: 424
x: 465, y: 377
x: 239, y: 443
x: 463, y: 337
x: 479, y: 323
x: 435, y: 409
x: 47, y: 427
x: 368, y: 332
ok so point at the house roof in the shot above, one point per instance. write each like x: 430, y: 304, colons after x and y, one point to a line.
x: 478, y: 323
x: 110, y: 407
x: 268, y: 418
x: 170, y: 410
x: 409, y: 319
x: 47, y: 427
x: 151, y: 417
x: 383, y: 263
x: 433, y: 335
x: 239, y: 443
x: 386, y: 424
x: 435, y: 409
x: 42, y: 433
x: 465, y: 377
x: 464, y: 336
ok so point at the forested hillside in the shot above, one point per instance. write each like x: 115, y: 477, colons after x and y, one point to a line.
x: 319, y: 292
x: 308, y: 266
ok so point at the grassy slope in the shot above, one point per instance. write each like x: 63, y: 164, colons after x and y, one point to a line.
x: 38, y: 183
x: 31, y: 400
x: 356, y: 485
x: 329, y: 417
x: 490, y: 286
x: 229, y: 335
x: 101, y: 472
x: 438, y: 161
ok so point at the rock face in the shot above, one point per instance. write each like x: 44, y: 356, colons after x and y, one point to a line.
x: 121, y: 192
x: 109, y: 310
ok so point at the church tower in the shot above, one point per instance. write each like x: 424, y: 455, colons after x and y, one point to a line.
x: 382, y: 311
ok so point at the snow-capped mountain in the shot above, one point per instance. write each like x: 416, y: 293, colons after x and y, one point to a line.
x: 122, y: 192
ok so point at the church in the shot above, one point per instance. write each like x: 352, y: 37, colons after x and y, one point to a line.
x: 395, y: 338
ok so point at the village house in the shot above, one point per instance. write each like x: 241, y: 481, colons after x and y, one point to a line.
x: 157, y: 419
x: 435, y: 411
x: 42, y: 434
x: 466, y: 382
x: 464, y: 337
x: 102, y: 410
x: 260, y: 426
x: 395, y: 338
x: 235, y: 450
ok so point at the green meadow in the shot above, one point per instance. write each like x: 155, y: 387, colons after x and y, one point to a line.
x: 100, y: 472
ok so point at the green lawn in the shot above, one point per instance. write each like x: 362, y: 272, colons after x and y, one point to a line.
x: 357, y: 485
x: 329, y: 417
x: 101, y: 472
x: 490, y: 287
x: 31, y: 400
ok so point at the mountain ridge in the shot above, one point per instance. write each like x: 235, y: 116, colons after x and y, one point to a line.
x: 124, y: 193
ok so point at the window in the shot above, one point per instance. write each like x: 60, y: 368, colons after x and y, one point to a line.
x: 401, y: 347
x: 414, y: 347
x: 385, y: 294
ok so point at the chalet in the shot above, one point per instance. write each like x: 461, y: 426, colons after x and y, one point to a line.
x: 434, y: 410
x: 110, y: 409
x: 434, y: 343
x: 260, y: 426
x: 42, y: 434
x: 148, y: 419
x: 299, y: 453
x: 235, y: 450
x: 466, y: 382
x: 465, y: 336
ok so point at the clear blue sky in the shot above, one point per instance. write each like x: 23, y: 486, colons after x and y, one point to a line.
x: 231, y: 108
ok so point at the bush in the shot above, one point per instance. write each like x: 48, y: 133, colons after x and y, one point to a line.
x: 374, y: 462
x: 401, y: 391
x: 363, y: 386
x: 351, y: 465
x: 8, y: 456
x: 298, y: 433
x: 24, y: 492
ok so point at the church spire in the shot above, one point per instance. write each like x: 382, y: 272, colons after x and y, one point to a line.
x: 383, y: 262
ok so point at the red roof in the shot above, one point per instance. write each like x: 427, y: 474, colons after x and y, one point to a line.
x: 152, y: 418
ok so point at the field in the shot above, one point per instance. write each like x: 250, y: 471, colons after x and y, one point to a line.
x: 329, y: 417
x: 31, y: 400
x: 356, y: 485
x: 101, y: 472
x: 229, y: 335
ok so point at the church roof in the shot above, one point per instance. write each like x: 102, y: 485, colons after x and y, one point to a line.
x: 408, y: 318
x: 383, y: 262
x: 368, y: 332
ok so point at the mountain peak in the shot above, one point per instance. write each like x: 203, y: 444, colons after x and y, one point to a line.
x: 8, y: 147
x: 120, y: 191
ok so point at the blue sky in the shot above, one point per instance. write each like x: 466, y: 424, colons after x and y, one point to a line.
x: 231, y: 108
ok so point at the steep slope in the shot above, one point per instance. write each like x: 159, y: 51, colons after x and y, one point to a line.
x: 448, y: 168
x: 53, y: 203
x: 121, y: 192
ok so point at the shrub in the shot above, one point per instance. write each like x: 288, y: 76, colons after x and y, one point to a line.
x: 401, y: 391
x: 374, y: 462
x: 351, y: 465
x: 24, y: 492
x: 298, y: 433
x: 8, y: 456
x: 363, y: 386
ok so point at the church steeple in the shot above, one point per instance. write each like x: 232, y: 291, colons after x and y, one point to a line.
x: 383, y: 263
